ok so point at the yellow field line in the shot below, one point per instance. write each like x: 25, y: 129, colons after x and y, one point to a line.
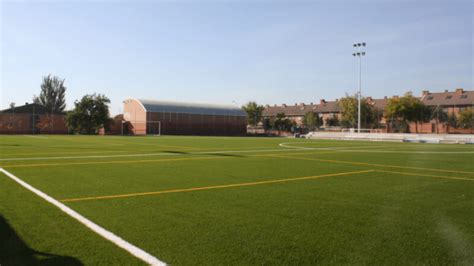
x: 428, y: 175
x: 215, y: 187
x: 373, y: 164
x: 113, y: 162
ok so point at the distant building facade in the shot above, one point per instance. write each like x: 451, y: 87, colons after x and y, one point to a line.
x: 143, y: 116
x: 452, y: 102
x: 32, y: 119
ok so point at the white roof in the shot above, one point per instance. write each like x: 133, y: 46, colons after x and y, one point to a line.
x: 190, y: 108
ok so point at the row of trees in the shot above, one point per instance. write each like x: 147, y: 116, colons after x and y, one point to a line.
x: 409, y: 109
x: 88, y: 115
x: 398, y: 114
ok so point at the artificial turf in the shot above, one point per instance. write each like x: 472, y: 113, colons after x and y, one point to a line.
x: 229, y: 200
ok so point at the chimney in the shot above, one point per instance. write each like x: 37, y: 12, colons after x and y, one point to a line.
x: 296, y: 104
x: 395, y: 96
x: 274, y: 105
x: 267, y: 105
x: 425, y: 92
x: 459, y: 90
x: 311, y: 103
x: 322, y: 101
x: 302, y: 104
x: 385, y: 97
x: 446, y: 91
x: 284, y: 105
x: 369, y: 99
x: 337, y: 100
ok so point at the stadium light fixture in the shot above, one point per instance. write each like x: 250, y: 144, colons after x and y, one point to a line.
x: 359, y: 54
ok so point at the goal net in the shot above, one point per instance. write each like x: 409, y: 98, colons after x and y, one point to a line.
x: 141, y: 128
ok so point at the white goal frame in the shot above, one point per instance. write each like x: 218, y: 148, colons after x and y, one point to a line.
x: 146, y: 129
x: 159, y: 128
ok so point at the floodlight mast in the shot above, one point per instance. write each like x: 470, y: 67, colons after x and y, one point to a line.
x: 359, y: 54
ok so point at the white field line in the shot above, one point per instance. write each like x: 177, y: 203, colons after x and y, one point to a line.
x: 284, y: 147
x: 421, y: 152
x: 357, y: 149
x: 141, y: 155
x: 36, y: 137
x: 287, y: 145
x: 135, y: 251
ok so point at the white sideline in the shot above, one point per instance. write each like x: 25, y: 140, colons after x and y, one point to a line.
x: 135, y: 251
x: 284, y: 147
x: 140, y: 155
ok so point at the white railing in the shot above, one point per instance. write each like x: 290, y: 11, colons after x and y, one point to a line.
x: 428, y: 138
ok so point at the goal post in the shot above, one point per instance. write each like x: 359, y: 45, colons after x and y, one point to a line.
x: 153, y: 128
x: 141, y: 128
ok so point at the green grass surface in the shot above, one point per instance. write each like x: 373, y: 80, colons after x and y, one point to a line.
x: 217, y: 201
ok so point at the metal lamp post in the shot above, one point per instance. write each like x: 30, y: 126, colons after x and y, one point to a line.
x: 359, y: 54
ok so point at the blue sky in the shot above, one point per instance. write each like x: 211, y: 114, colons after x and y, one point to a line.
x: 234, y: 51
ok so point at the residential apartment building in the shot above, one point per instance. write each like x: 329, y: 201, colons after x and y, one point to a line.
x: 451, y: 102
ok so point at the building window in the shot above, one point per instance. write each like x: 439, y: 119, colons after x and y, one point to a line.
x: 449, y: 97
x: 464, y: 96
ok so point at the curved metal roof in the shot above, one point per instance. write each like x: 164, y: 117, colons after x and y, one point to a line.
x: 190, y: 108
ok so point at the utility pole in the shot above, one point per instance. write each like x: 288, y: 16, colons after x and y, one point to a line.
x: 359, y: 54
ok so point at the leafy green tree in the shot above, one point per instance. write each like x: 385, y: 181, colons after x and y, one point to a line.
x: 333, y: 121
x: 89, y: 114
x: 452, y: 120
x: 466, y: 118
x: 349, y: 112
x: 401, y: 111
x: 421, y: 113
x: 282, y: 123
x: 254, y: 112
x: 439, y: 116
x: 52, y: 95
x: 311, y: 121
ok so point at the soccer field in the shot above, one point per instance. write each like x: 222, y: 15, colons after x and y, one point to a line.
x: 230, y: 200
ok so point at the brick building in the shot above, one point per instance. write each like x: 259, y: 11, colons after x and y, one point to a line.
x: 177, y: 118
x: 451, y: 102
x: 325, y: 109
x: 32, y: 119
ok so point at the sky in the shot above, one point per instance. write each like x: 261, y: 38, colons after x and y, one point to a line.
x: 232, y: 52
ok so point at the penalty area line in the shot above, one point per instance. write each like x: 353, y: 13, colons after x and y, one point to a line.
x: 130, y: 248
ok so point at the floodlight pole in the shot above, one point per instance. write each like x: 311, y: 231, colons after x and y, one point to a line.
x: 359, y: 94
x: 359, y: 54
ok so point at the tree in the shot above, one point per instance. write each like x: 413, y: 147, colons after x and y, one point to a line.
x: 400, y: 111
x: 12, y: 105
x: 52, y: 95
x: 311, y: 120
x: 421, y: 113
x: 452, y: 120
x: 349, y: 112
x: 333, y: 121
x: 281, y: 122
x: 254, y: 112
x: 466, y: 118
x: 89, y: 115
x: 439, y: 116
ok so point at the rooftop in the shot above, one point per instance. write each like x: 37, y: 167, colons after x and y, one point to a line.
x: 190, y: 108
